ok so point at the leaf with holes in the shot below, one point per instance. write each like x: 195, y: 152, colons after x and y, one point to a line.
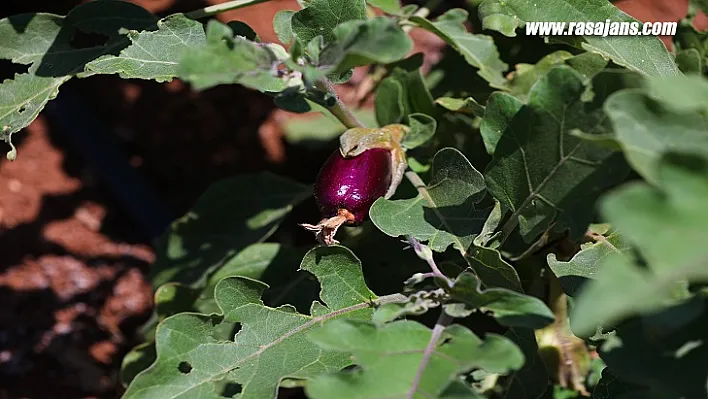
x: 45, y: 42
x: 271, y: 344
x: 543, y: 173
x: 153, y: 55
x: 399, y: 347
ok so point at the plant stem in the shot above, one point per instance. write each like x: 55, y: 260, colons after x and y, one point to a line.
x: 223, y: 7
x: 339, y: 110
x: 427, y: 255
x: 443, y: 321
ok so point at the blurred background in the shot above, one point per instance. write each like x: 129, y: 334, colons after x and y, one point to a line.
x: 107, y: 166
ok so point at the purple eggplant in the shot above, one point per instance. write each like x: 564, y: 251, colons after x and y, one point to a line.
x: 349, y: 186
x: 346, y: 188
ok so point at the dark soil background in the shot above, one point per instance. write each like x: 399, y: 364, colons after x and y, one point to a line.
x: 73, y: 258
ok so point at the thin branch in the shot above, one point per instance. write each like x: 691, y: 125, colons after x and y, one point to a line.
x: 443, y: 321
x: 223, y: 7
x: 339, y: 110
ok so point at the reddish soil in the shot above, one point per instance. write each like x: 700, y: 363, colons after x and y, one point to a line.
x: 72, y: 267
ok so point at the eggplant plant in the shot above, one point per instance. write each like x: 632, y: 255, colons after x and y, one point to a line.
x: 525, y: 219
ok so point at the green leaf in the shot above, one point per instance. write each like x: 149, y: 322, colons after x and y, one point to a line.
x: 446, y: 214
x: 320, y: 17
x: 282, y: 25
x: 387, y: 6
x: 526, y: 75
x: 422, y: 129
x: 681, y: 94
x: 389, y: 102
x: 478, y: 50
x: 644, y: 54
x: 509, y: 308
x: 231, y: 215
x: 403, y: 93
x: 226, y: 59
x: 588, y: 262
x: 271, y: 344
x: 138, y: 359
x: 646, y: 130
x: 355, y: 43
x: 500, y: 111
x: 153, y: 55
x: 397, y: 349
x: 689, y: 61
x: 667, y: 226
x: 543, y: 173
x: 22, y: 99
x: 467, y: 105
x: 669, y: 362
x: 44, y: 41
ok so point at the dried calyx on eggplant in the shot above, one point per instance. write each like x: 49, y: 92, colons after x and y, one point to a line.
x: 368, y: 164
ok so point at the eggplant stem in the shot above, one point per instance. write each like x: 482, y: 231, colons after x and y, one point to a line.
x: 326, y: 229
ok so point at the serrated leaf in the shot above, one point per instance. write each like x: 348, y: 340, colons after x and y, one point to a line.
x: 667, y: 226
x: 232, y: 214
x: 498, y: 114
x: 446, y: 215
x: 587, y: 263
x: 478, y: 50
x: 271, y: 344
x: 320, y: 17
x: 508, y: 307
x: 226, y: 59
x: 665, y: 361
x: 356, y: 43
x: 153, y: 55
x: 644, y: 54
x: 541, y: 171
x: 399, y: 347
x: 646, y: 130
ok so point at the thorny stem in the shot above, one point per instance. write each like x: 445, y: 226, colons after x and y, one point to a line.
x: 223, y: 7
x: 339, y: 110
x: 443, y: 321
